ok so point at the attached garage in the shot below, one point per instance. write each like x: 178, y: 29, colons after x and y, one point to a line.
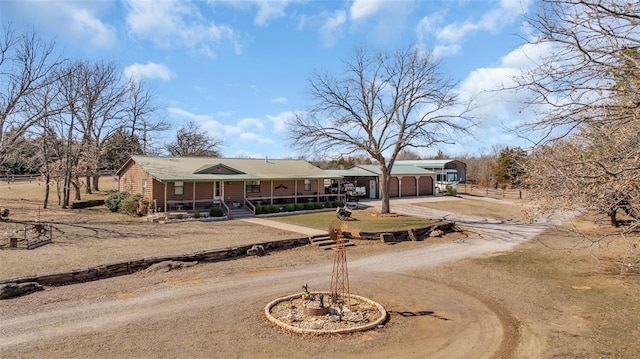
x: 425, y: 185
x: 406, y: 181
x: 407, y: 186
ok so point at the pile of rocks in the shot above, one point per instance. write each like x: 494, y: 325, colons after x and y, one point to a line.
x: 357, y: 314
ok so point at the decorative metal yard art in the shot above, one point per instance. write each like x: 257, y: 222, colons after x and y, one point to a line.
x: 307, y: 312
x: 339, y: 290
x: 343, y: 214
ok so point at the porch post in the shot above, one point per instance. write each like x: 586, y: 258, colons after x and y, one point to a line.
x: 193, y: 198
x: 399, y: 186
x: 318, y: 193
x: 165, y: 197
x: 271, y: 197
x: 417, y: 186
x: 295, y: 191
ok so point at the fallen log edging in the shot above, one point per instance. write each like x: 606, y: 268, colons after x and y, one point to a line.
x: 215, y: 255
x: 123, y: 268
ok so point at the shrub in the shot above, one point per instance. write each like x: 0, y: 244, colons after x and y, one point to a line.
x: 113, y: 200
x: 129, y: 204
x: 216, y: 212
x: 258, y: 209
x: 309, y: 205
x: 299, y: 206
x: 337, y: 204
x: 180, y: 216
x: 196, y: 215
x: 289, y: 207
x: 318, y: 205
x: 328, y: 204
x: 451, y: 191
x: 274, y: 209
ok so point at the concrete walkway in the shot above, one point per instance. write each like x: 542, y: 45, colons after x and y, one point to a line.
x: 285, y: 226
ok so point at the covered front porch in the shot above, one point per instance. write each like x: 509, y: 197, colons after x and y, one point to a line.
x: 237, y: 195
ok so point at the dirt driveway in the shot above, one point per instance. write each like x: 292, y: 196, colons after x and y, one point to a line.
x: 215, y: 310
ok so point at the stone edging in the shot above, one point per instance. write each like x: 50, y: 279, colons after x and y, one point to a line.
x: 291, y: 328
x: 123, y: 268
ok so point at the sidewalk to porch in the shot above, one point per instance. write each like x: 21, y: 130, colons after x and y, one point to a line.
x: 285, y: 226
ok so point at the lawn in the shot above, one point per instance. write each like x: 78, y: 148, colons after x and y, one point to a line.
x: 362, y: 220
x: 479, y: 207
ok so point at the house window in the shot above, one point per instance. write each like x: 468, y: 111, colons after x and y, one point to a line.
x: 179, y: 188
x: 144, y: 186
x: 252, y: 186
x: 307, y: 185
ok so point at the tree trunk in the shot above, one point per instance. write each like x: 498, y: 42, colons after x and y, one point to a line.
x: 88, y: 184
x: 96, y: 179
x: 47, y: 180
x: 384, y: 190
x: 76, y: 188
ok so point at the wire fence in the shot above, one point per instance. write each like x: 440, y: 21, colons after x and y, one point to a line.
x: 499, y: 193
x: 19, y: 178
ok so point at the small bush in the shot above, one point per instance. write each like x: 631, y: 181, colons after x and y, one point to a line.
x: 289, y: 207
x: 451, y: 191
x: 318, y: 205
x: 299, y: 206
x: 216, y: 212
x: 113, y: 200
x: 196, y: 215
x: 337, y: 204
x: 274, y: 209
x: 129, y: 204
x: 180, y: 216
x: 258, y: 209
x: 328, y: 204
x: 309, y: 205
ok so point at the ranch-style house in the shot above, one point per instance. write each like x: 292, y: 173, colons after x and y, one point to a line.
x: 183, y: 183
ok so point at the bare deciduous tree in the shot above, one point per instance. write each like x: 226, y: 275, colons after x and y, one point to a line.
x: 385, y: 102
x: 588, y: 127
x: 27, y: 69
x: 586, y: 42
x: 192, y: 141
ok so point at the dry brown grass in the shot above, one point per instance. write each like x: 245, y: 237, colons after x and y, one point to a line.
x: 479, y: 207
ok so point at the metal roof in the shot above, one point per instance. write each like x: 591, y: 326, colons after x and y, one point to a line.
x: 193, y: 169
x: 439, y: 164
x: 397, y: 170
x: 352, y: 172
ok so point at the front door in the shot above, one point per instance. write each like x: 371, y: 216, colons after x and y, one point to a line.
x: 372, y: 188
x: 216, y: 192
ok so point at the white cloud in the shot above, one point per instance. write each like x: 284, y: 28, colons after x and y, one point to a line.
x: 332, y: 26
x: 440, y: 51
x: 498, y: 102
x: 280, y: 100
x: 254, y: 137
x: 361, y: 9
x: 250, y: 123
x: 452, y: 34
x: 175, y: 23
x: 281, y: 120
x: 151, y: 70
x: 77, y: 21
x: 83, y: 22
x: 269, y: 10
x: 245, y: 133
x: 455, y: 32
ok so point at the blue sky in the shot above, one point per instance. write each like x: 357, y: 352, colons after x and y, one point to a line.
x: 240, y: 69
